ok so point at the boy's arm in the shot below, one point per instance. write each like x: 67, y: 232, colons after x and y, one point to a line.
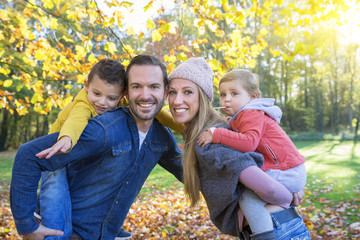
x: 166, y: 119
x: 247, y: 137
x: 76, y: 122
x: 62, y: 146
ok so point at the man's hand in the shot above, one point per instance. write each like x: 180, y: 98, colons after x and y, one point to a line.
x: 62, y: 146
x: 41, y: 232
x: 205, y: 138
x: 297, y: 198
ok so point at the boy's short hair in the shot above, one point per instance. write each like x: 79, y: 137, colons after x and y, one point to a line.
x: 110, y: 70
x: 146, y: 60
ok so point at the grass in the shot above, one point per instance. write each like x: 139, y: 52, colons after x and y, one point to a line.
x: 6, y: 163
x: 333, y: 168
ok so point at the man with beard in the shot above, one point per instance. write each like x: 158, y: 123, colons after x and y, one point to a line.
x: 109, y: 164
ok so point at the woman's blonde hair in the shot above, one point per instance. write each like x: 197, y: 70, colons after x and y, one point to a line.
x: 205, y: 118
x: 249, y: 81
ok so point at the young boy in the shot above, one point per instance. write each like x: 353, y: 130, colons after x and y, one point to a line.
x: 103, y: 92
x: 255, y: 127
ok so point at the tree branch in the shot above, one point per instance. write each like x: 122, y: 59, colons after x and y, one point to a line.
x: 112, y: 32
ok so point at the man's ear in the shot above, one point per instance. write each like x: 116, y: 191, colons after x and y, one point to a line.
x: 166, y: 94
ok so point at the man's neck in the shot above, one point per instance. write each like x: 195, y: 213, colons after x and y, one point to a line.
x: 143, y: 126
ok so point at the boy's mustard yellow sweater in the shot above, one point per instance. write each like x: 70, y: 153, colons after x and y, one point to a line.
x: 73, y: 119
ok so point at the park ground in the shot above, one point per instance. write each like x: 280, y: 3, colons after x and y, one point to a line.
x: 330, y: 208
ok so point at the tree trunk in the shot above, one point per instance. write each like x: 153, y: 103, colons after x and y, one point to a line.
x: 4, y: 129
x: 357, y: 122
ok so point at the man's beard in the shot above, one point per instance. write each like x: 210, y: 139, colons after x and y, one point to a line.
x: 149, y: 115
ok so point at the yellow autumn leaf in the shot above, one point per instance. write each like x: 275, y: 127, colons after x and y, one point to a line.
x: 38, y: 108
x: 150, y: 24
x: 80, y: 78
x: 130, y: 31
x: 4, y: 16
x: 7, y: 83
x: 80, y: 52
x: 100, y: 37
x: 37, y: 97
x: 92, y: 58
x: 48, y: 3
x: 173, y: 26
x: 54, y: 23
x: 22, y: 111
x: 110, y: 47
x: 67, y: 39
x: 4, y: 71
x: 141, y: 35
x: 285, y: 12
x: 182, y: 57
x: 125, y: 4
x: 17, y: 103
x: 156, y: 36
x: 27, y: 12
x: 219, y: 33
x: 40, y: 55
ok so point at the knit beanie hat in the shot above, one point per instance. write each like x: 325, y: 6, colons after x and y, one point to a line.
x: 198, y: 71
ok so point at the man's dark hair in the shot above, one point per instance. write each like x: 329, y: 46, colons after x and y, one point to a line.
x: 110, y: 70
x: 146, y: 60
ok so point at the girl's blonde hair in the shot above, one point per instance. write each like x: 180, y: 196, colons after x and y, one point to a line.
x: 205, y: 118
x: 249, y: 81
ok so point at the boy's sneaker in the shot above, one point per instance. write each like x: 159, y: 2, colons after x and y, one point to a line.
x: 123, y: 235
x: 37, y: 215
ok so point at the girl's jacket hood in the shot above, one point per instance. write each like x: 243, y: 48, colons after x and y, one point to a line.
x: 263, y: 104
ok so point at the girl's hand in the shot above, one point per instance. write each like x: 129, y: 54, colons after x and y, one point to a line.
x: 297, y: 198
x: 205, y: 138
x: 42, y: 232
x: 62, y: 146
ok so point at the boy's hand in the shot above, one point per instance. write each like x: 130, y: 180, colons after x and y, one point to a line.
x: 63, y: 145
x: 41, y: 232
x: 205, y: 138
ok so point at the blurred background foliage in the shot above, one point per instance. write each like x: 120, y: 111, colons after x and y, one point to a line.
x: 305, y: 53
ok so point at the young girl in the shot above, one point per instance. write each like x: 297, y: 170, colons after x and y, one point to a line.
x: 255, y: 127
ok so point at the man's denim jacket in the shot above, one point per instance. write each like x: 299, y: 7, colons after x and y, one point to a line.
x: 106, y: 171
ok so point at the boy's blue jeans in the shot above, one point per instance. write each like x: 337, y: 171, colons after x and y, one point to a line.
x: 55, y: 203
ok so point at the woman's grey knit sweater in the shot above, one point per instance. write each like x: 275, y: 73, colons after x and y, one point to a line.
x: 219, y: 170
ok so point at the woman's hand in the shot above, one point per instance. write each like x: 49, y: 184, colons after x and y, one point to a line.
x: 205, y: 138
x: 62, y: 146
x: 41, y: 232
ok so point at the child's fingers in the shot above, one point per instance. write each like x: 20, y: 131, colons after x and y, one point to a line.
x: 43, y: 153
x: 65, y: 148
x: 55, y: 149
